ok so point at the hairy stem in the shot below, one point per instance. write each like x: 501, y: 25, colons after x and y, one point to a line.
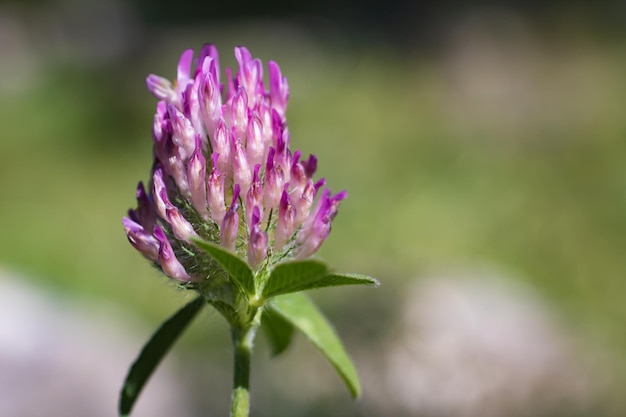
x: 243, y: 339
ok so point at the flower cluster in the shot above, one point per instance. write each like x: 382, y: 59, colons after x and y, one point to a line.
x: 223, y: 172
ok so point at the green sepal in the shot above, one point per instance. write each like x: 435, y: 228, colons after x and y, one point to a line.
x: 302, y: 313
x: 278, y: 330
x: 295, y: 276
x: 237, y: 268
x: 153, y: 352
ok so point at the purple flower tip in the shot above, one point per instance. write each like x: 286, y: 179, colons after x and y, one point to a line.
x: 160, y: 87
x: 145, y: 243
x: 310, y: 166
x: 167, y: 259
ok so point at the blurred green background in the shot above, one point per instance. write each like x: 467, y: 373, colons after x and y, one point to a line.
x: 467, y: 136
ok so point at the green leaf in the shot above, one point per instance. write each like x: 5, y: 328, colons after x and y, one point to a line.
x: 279, y: 331
x: 152, y: 353
x: 297, y: 276
x: 236, y: 267
x: 294, y: 276
x: 335, y: 280
x: 300, y: 311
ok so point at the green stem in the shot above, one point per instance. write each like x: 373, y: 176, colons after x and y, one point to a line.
x: 242, y: 342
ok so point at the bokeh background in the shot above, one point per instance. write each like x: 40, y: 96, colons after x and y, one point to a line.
x: 483, y: 148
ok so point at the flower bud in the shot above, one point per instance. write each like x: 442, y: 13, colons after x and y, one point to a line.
x: 274, y: 181
x: 145, y: 213
x: 298, y: 178
x: 211, y: 66
x: 257, y: 246
x: 160, y: 87
x: 215, y: 192
x: 183, y: 230
x: 277, y: 128
x: 285, y: 225
x: 209, y: 101
x: 183, y: 72
x: 283, y: 155
x: 183, y: 134
x: 161, y: 130
x: 250, y: 75
x: 255, y: 146
x: 241, y: 168
x: 160, y: 193
x: 176, y: 168
x: 304, y: 201
x: 167, y: 259
x: 334, y: 203
x: 196, y: 172
x: 222, y: 146
x: 265, y: 116
x: 239, y: 113
x: 317, y: 227
x: 171, y: 162
x: 310, y: 166
x: 254, y: 197
x: 145, y: 243
x: 191, y: 108
x: 230, y: 225
x: 279, y: 89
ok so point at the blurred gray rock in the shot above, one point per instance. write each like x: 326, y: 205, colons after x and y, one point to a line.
x: 482, y: 346
x: 65, y: 358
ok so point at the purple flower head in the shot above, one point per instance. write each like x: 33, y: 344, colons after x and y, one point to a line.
x: 224, y: 172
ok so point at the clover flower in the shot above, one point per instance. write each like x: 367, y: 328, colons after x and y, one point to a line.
x: 223, y: 172
x: 232, y: 212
